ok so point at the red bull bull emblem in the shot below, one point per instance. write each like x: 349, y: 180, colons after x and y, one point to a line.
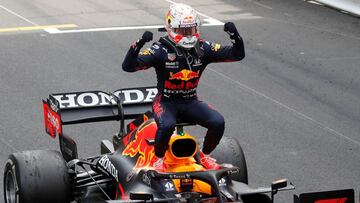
x: 140, y: 147
x: 184, y: 75
x: 188, y: 19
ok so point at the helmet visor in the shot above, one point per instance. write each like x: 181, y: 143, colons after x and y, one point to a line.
x: 186, y: 31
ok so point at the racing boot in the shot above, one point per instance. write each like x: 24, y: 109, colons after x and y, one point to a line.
x: 208, y: 162
x: 158, y: 164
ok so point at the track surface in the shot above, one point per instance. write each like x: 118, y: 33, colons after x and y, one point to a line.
x: 293, y: 102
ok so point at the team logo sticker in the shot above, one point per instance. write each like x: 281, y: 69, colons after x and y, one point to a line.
x: 145, y: 52
x: 215, y: 47
x: 171, y: 56
x: 184, y: 75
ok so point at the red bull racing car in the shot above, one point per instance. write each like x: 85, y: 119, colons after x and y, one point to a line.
x: 121, y: 172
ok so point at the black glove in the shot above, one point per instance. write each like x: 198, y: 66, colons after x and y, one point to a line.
x: 235, y: 37
x: 147, y: 36
x: 230, y: 28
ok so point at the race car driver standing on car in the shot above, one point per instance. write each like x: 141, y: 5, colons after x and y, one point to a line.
x: 179, y: 59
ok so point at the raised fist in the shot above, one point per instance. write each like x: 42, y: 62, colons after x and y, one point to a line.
x: 230, y: 28
x: 147, y: 36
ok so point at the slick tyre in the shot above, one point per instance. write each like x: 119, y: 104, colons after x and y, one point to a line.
x: 36, y: 176
x: 229, y: 151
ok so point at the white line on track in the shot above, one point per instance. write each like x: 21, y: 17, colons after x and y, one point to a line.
x: 247, y: 88
x: 57, y: 31
x: 260, y: 4
x: 339, y: 58
x: 18, y: 15
x: 209, y: 22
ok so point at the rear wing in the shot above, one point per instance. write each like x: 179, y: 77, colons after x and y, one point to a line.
x: 94, y: 106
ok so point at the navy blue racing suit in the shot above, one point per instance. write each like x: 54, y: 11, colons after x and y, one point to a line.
x: 178, y: 74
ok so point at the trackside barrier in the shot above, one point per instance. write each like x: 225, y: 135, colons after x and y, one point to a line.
x: 351, y: 6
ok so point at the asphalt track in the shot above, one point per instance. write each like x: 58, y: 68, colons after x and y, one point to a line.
x: 293, y: 102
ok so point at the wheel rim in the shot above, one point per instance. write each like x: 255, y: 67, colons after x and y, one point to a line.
x: 10, y: 187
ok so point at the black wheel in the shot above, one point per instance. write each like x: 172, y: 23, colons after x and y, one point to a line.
x: 230, y: 151
x: 36, y: 176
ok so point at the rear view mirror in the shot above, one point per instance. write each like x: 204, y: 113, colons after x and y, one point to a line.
x: 278, y: 184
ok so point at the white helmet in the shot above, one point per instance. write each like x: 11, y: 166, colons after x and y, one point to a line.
x: 182, y: 25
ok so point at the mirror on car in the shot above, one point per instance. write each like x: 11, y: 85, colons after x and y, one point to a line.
x: 279, y: 184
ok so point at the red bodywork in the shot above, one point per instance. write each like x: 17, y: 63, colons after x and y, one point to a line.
x: 52, y: 120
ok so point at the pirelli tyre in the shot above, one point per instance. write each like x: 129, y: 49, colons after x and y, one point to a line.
x: 230, y: 151
x: 36, y: 176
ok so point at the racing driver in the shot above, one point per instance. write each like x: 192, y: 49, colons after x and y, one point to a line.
x: 179, y: 59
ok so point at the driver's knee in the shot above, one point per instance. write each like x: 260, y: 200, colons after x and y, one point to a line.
x: 216, y: 122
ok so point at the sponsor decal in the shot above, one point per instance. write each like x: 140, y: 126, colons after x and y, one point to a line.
x: 155, y: 46
x: 169, y: 186
x: 146, y: 179
x: 169, y: 18
x: 139, y: 146
x: 145, y: 52
x: 173, y: 64
x: 215, y: 47
x: 197, y: 62
x: 171, y: 56
x: 186, y: 184
x: 189, y: 25
x: 188, y: 19
x: 165, y: 49
x: 183, y: 85
x: 222, y: 182
x: 233, y: 171
x: 106, y: 164
x: 188, y: 93
x: 179, y: 176
x: 52, y: 121
x: 98, y: 98
x: 54, y: 105
x: 184, y: 75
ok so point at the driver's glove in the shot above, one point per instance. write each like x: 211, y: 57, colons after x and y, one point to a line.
x: 146, y: 37
x: 230, y: 28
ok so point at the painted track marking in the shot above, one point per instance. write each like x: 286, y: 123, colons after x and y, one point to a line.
x: 209, y: 22
x: 18, y: 15
x: 42, y: 27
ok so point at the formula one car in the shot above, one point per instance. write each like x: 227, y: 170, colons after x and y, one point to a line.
x: 122, y: 173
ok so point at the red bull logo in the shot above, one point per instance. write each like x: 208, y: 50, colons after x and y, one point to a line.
x: 188, y: 19
x: 140, y: 147
x: 184, y: 75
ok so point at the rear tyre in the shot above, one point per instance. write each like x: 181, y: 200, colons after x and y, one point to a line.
x: 229, y: 151
x: 36, y: 176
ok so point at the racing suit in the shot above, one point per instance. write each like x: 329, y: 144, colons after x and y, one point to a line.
x: 178, y: 74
